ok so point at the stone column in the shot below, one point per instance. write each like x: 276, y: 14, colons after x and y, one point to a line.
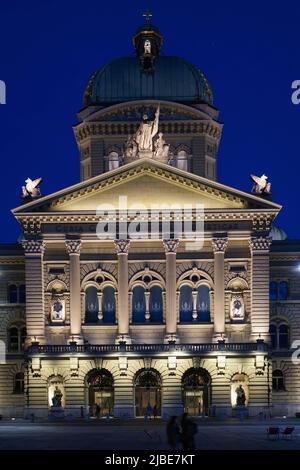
x: 219, y: 246
x: 73, y: 248
x: 34, y: 278
x: 259, y: 247
x: 171, y: 313
x: 122, y: 247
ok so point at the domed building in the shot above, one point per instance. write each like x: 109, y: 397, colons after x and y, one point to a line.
x: 125, y: 89
x: 148, y: 282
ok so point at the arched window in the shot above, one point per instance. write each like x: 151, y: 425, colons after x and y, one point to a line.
x: 182, y: 160
x: 282, y: 290
x: 19, y: 382
x: 147, y: 386
x: 185, y: 304
x: 100, y: 385
x: 16, y: 338
x: 12, y: 294
x: 91, y: 305
x: 108, y: 305
x: 156, y: 304
x: 22, y: 294
x: 13, y: 339
x: 283, y: 336
x: 138, y: 305
x: 196, y: 390
x: 279, y: 335
x: 203, y: 304
x: 113, y: 161
x: 273, y: 290
x: 278, y: 380
x: 273, y: 334
x: 23, y: 337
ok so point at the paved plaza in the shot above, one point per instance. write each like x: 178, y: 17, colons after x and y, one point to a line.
x: 139, y: 435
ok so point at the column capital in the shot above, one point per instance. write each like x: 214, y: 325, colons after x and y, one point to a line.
x: 73, y: 247
x: 260, y: 243
x: 219, y: 245
x: 171, y: 245
x: 36, y: 247
x: 122, y: 246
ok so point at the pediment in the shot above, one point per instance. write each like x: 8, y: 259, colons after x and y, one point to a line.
x: 148, y: 183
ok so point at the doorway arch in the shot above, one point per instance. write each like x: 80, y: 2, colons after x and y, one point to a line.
x: 100, y: 388
x: 196, y: 391
x: 147, y: 389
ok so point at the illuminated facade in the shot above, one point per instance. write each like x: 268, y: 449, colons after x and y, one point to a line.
x: 121, y: 322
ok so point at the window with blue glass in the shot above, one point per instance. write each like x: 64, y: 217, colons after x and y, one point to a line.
x: 138, y: 305
x: 280, y: 335
x: 22, y: 294
x: 91, y: 305
x: 273, y: 335
x: 273, y: 290
x: 108, y: 305
x: 282, y: 290
x: 156, y: 304
x: 203, y: 304
x: 12, y: 294
x: 283, y: 336
x: 186, y: 304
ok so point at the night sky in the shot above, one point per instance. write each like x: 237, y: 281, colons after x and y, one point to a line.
x: 249, y: 51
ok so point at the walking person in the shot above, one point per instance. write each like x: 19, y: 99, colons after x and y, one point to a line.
x: 98, y: 411
x: 188, y: 431
x: 155, y: 411
x: 148, y: 412
x: 173, y: 433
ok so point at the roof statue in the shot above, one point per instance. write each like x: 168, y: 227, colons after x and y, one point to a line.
x: 261, y: 186
x: 146, y: 141
x: 32, y: 188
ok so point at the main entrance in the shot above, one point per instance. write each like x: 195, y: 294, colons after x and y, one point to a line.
x: 196, y: 391
x: 100, y: 393
x: 147, y: 386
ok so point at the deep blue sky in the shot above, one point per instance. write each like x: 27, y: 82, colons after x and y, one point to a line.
x: 249, y: 50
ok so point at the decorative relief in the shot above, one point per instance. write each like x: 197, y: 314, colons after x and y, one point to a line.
x: 171, y: 245
x: 122, y: 246
x: 219, y: 244
x: 110, y: 268
x: 31, y: 226
x: 262, y: 223
x: 73, y: 246
x: 33, y: 246
x: 260, y: 243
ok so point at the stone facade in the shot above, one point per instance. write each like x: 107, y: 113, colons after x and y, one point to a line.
x: 117, y: 322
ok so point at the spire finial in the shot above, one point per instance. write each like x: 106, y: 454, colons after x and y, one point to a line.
x: 147, y: 14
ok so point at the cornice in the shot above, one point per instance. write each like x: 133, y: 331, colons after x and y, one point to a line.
x: 121, y: 128
x: 147, y: 167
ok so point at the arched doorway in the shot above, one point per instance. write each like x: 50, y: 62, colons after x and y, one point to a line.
x: 147, y: 386
x: 100, y: 385
x: 196, y: 389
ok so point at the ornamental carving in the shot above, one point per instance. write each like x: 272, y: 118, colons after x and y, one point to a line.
x: 73, y: 247
x: 171, y: 245
x: 260, y: 243
x: 219, y: 244
x: 33, y: 246
x: 122, y: 246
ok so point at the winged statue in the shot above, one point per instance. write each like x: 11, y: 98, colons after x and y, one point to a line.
x: 260, y: 184
x: 31, y: 189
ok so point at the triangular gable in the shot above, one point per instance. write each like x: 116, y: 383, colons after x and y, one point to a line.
x: 149, y: 182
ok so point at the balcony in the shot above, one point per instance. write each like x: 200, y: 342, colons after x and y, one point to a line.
x: 145, y: 349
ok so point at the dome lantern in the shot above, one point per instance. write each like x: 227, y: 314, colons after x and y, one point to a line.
x: 147, y: 42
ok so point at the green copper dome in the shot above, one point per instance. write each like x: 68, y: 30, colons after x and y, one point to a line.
x: 172, y: 79
x: 147, y: 75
